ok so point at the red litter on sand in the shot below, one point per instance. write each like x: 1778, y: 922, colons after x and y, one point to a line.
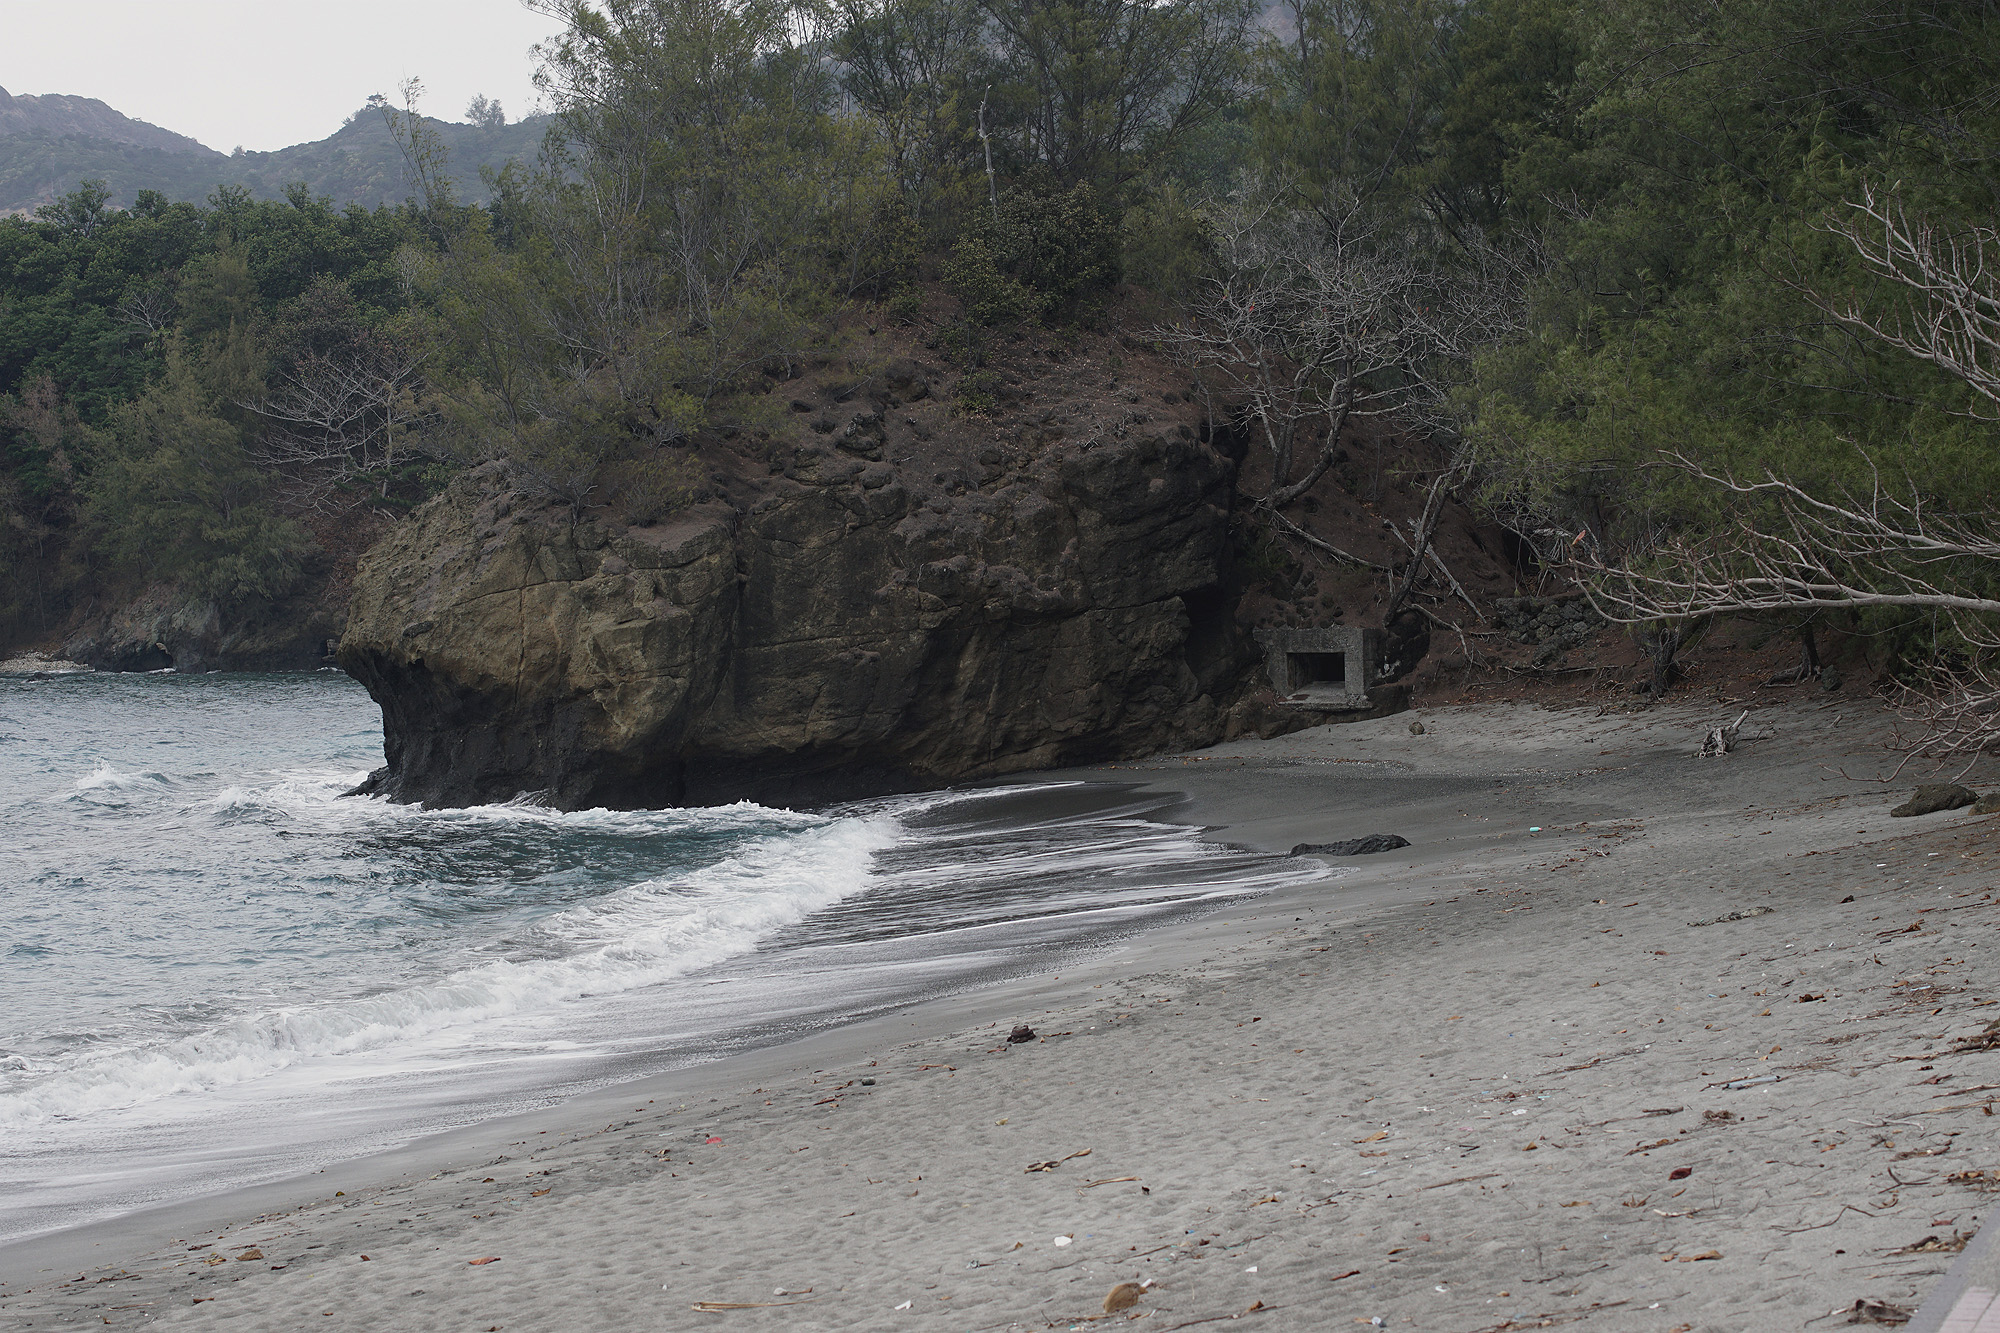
x: 713, y: 1140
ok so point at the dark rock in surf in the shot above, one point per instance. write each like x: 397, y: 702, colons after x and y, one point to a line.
x: 1368, y: 846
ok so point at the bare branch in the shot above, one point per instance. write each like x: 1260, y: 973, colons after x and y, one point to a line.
x: 1950, y: 312
x: 1789, y: 549
x: 1325, y: 318
x: 1798, y: 551
x: 1292, y: 529
x: 1421, y: 528
x: 334, y: 419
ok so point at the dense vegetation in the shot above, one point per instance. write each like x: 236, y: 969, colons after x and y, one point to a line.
x: 1563, y: 243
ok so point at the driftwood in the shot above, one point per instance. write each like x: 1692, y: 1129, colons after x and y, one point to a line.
x: 1721, y: 738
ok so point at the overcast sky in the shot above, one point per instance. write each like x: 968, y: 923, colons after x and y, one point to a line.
x: 268, y: 73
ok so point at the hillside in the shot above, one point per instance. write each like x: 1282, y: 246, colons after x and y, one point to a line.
x: 56, y: 116
x: 49, y: 145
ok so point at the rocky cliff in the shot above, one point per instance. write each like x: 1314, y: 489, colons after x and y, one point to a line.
x: 160, y: 628
x: 858, y: 622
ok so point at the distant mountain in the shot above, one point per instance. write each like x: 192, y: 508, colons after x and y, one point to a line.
x: 51, y: 144
x: 55, y: 116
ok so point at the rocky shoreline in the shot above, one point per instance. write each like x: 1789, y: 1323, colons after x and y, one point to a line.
x: 859, y: 624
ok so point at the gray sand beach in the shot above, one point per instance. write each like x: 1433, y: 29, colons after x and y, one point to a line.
x: 1624, y: 1039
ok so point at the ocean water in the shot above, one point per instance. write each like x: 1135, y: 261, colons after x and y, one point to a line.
x: 216, y: 970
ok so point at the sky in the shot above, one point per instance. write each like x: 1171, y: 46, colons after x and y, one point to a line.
x: 269, y: 73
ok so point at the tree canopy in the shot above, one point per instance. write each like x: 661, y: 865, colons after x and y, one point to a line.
x: 1599, y: 255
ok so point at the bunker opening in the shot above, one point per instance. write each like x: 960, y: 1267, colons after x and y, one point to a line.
x: 1317, y: 669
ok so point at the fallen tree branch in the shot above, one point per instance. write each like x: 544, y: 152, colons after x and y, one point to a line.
x: 1317, y: 543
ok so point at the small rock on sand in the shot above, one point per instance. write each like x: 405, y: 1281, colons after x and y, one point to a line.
x: 1935, y: 796
x: 1022, y: 1032
x: 1989, y: 804
x: 1374, y: 842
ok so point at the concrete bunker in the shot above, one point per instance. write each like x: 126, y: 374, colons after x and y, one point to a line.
x: 1327, y: 668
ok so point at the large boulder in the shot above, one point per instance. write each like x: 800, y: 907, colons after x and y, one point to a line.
x: 850, y: 630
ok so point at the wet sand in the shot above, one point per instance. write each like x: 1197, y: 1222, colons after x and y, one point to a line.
x: 1478, y: 1083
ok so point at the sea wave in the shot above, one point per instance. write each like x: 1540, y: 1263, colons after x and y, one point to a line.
x: 637, y: 936
x: 320, y: 797
x: 106, y: 777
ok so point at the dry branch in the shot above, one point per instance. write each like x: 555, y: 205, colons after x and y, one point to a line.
x: 1949, y: 314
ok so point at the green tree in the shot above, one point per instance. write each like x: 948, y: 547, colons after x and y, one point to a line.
x: 920, y: 70
x: 175, y: 494
x: 700, y: 209
x: 1102, y: 88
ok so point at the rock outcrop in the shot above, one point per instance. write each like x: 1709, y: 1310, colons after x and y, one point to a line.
x: 1931, y: 797
x: 161, y: 628
x: 856, y: 625
x: 1368, y: 845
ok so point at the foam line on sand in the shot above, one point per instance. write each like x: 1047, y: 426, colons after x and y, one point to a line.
x: 1480, y: 1083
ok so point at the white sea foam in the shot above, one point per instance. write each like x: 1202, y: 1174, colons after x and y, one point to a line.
x: 634, y: 937
x: 105, y: 777
x: 316, y: 796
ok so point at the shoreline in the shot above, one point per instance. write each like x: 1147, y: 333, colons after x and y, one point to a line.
x: 1404, y: 1058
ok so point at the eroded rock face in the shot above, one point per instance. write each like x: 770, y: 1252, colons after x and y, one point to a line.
x: 847, y: 633
x: 160, y: 628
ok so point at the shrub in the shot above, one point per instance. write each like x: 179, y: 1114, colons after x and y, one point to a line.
x: 650, y: 488
x: 1044, y: 254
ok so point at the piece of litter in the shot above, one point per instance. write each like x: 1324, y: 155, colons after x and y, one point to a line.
x: 1251, y: 1269
x: 712, y: 1140
x: 1532, y: 828
x: 490, y: 1259
x: 1734, y: 916
x: 1752, y: 1082
x: 904, y: 1306
x: 1123, y: 1297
